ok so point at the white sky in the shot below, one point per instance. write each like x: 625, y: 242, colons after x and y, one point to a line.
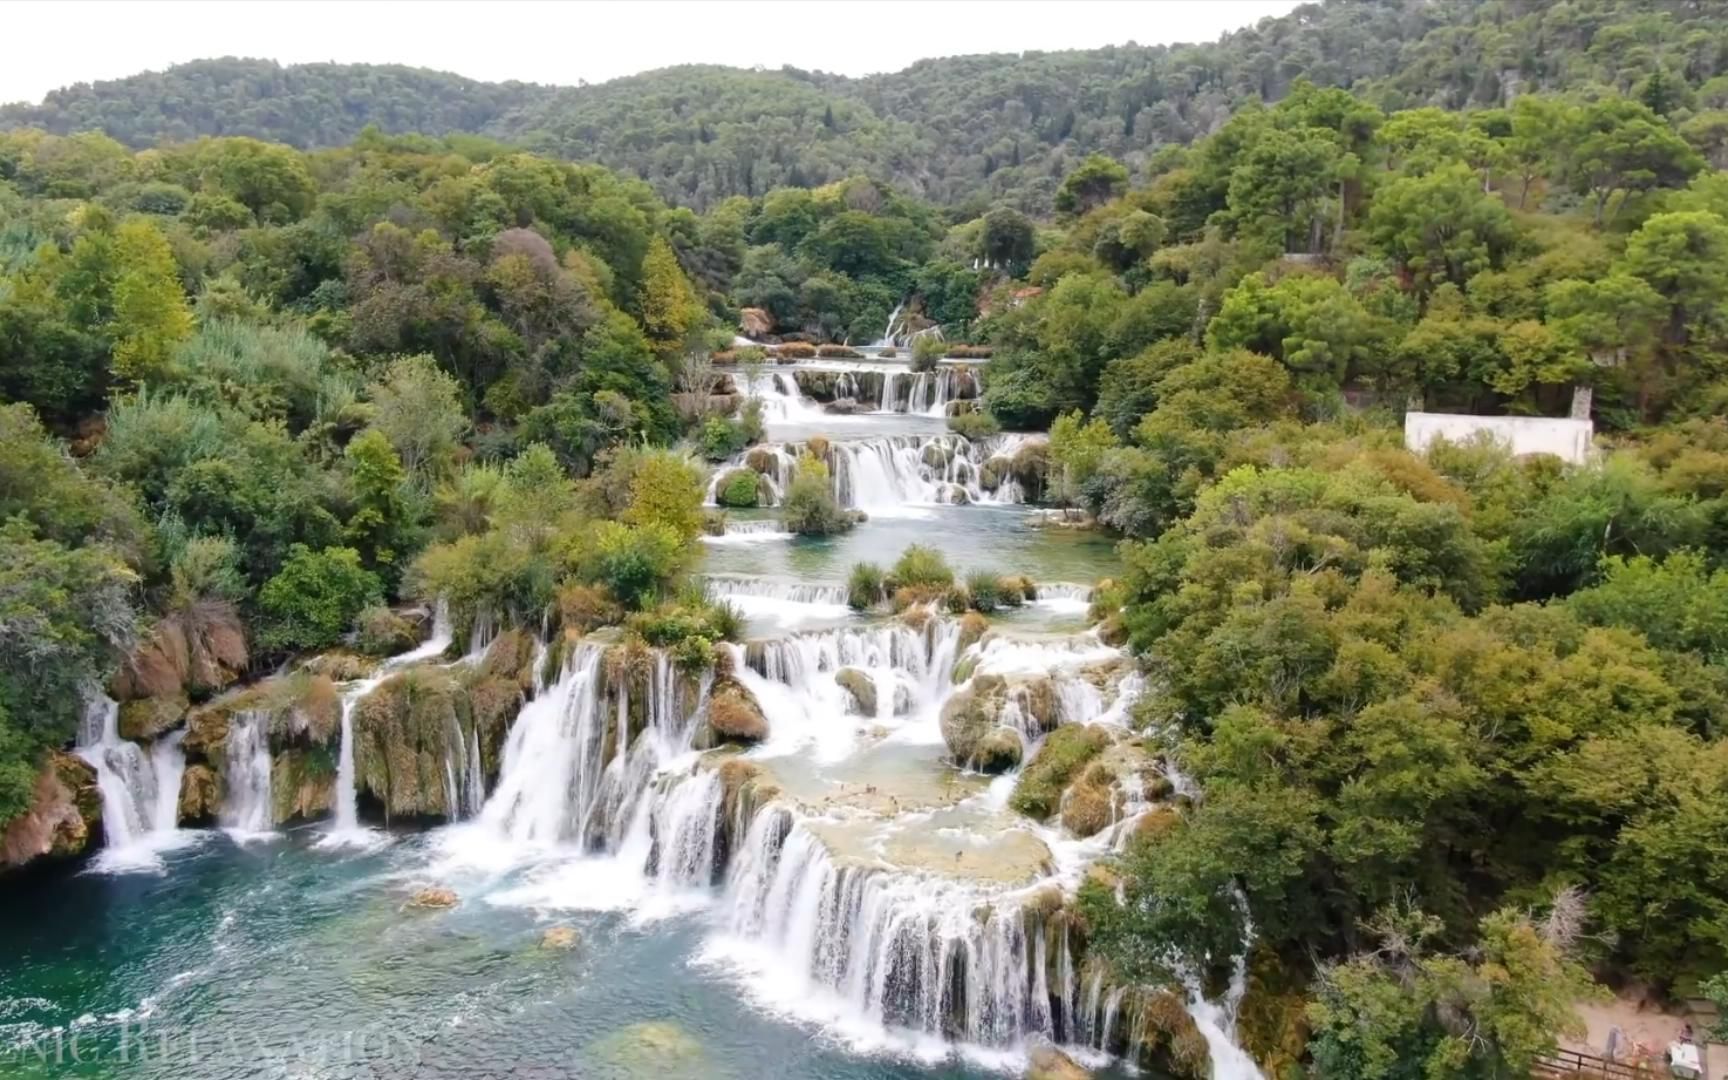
x: 58, y: 42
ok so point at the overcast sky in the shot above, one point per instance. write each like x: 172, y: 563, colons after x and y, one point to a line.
x: 57, y: 43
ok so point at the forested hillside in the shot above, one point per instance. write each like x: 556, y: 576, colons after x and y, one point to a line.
x: 965, y: 130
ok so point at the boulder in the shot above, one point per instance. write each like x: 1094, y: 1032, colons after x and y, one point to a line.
x: 64, y: 818
x: 200, y: 795
x: 143, y: 719
x: 383, y: 632
x: 844, y: 406
x: 734, y: 715
x: 404, y: 733
x: 1090, y: 804
x: 511, y: 656
x: 969, y: 715
x: 861, y: 687
x: 1045, y: 1062
x: 755, y: 322
x: 1063, y: 754
x: 763, y: 461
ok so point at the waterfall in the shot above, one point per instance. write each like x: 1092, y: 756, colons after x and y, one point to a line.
x: 747, y: 532
x: 887, y: 339
x: 140, y: 791
x: 887, y: 474
x: 246, y: 810
x: 781, y: 400
x: 552, y: 758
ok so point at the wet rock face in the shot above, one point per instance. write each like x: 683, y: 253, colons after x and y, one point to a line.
x: 405, y: 731
x: 64, y: 818
x: 969, y: 715
x: 200, y: 795
x: 862, y: 688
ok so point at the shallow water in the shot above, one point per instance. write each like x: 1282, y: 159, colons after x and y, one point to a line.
x: 286, y: 960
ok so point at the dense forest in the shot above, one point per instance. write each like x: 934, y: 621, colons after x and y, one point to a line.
x: 1456, y: 719
x: 969, y: 130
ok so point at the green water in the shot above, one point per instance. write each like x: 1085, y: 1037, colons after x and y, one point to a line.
x: 284, y: 960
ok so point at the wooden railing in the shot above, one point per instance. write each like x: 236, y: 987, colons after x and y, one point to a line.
x: 1568, y: 1064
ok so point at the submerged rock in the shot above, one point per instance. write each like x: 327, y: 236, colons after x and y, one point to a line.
x: 560, y: 937
x: 655, y: 1050
x: 435, y: 896
x: 862, y: 688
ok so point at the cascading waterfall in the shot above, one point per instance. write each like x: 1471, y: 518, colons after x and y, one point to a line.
x: 887, y: 340
x: 781, y: 400
x: 795, y: 592
x: 140, y: 791
x: 246, y: 776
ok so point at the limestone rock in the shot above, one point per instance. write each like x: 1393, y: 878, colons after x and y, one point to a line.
x: 143, y: 719
x: 200, y: 795
x: 341, y: 666
x: 734, y: 715
x: 434, y: 896
x: 404, y: 733
x: 968, y: 716
x: 999, y: 752
x: 194, y: 651
x: 302, y: 784
x: 844, y: 406
x: 1045, y: 1062
x: 385, y: 633
x: 862, y: 688
x: 64, y: 818
x: 511, y: 656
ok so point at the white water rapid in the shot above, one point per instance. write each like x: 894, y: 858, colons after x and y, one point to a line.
x: 246, y: 811
x: 890, y: 475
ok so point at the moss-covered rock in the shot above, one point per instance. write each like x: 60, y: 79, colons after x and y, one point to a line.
x: 970, y: 714
x: 383, y: 632
x: 973, y: 627
x: 1064, y: 752
x: 493, y: 704
x: 762, y: 461
x: 200, y: 795
x: 1273, y: 1018
x: 511, y: 656
x: 302, y: 784
x: 862, y: 689
x: 1045, y: 1062
x: 1090, y: 804
x: 734, y: 714
x: 341, y: 667
x: 143, y: 719
x: 1000, y: 751
x: 64, y: 819
x: 1169, y: 1042
x: 301, y: 709
x: 405, y: 731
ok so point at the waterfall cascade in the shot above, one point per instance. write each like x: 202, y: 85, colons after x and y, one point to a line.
x: 875, y: 889
x: 140, y: 790
x: 889, y: 474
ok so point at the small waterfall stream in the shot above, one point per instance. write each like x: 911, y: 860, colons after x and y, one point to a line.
x: 140, y: 790
x: 246, y: 810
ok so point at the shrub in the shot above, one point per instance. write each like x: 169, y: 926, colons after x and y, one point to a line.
x: 957, y: 600
x: 315, y: 598
x: 721, y: 438
x: 809, y: 508
x: 384, y: 633
x: 864, y: 587
x: 921, y: 567
x: 968, y: 352
x: 587, y: 607
x: 714, y: 522
x: 634, y: 562
x: 985, y: 590
x: 750, y: 423
x: 926, y: 351
x: 838, y: 352
x: 973, y: 426
x: 1065, y: 750
x: 737, y: 489
x: 795, y: 350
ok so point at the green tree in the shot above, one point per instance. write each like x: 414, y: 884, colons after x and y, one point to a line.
x: 419, y: 409
x: 671, y: 313
x: 151, y: 316
x: 315, y: 598
x: 1098, y: 180
x: 380, y: 527
x: 1440, y: 226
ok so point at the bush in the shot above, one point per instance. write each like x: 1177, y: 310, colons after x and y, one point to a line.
x: 973, y: 426
x: 795, y: 350
x: 721, y: 438
x: 384, y: 633
x: 690, y: 617
x: 316, y: 597
x: 985, y: 590
x: 809, y: 508
x: 968, y: 352
x: 738, y: 489
x: 634, y: 562
x: 838, y: 352
x: 714, y: 523
x: 921, y: 567
x: 750, y: 423
x: 926, y: 351
x: 865, y: 586
x: 957, y: 600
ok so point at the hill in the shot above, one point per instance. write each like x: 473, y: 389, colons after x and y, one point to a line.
x: 965, y: 130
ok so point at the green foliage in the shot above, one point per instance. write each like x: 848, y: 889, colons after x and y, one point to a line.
x: 926, y: 351
x: 315, y: 598
x: 809, y: 507
x: 865, y: 586
x: 738, y: 489
x: 418, y: 408
x: 920, y: 567
x: 974, y: 425
x: 1060, y: 758
x: 984, y: 591
x: 721, y: 438
x: 636, y: 563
